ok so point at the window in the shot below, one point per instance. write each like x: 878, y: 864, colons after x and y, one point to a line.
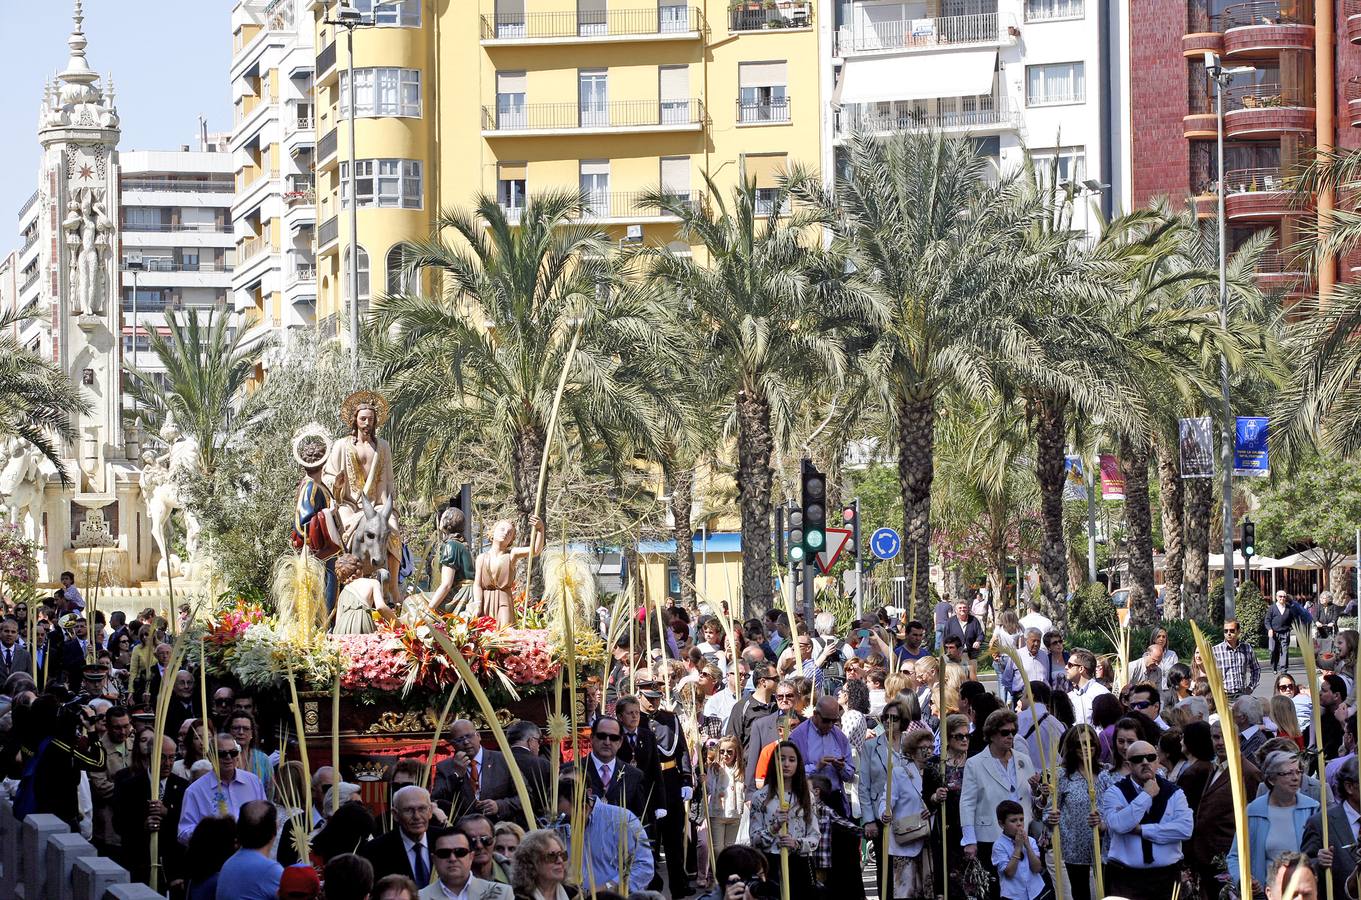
x: 674, y: 91
x: 1049, y: 10
x: 399, y: 279
x: 363, y: 274
x: 382, y: 92
x: 511, y: 188
x: 593, y: 93
x: 761, y: 92
x: 400, y: 13
x: 672, y: 18
x: 384, y: 182
x: 591, y: 17
x: 764, y: 171
x: 675, y: 171
x: 142, y: 217
x: 510, y: 100
x: 595, y: 186
x: 1054, y: 84
x: 510, y: 18
x: 1060, y: 165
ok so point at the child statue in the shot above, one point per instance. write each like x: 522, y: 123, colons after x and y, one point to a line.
x: 494, y: 579
x: 456, y: 563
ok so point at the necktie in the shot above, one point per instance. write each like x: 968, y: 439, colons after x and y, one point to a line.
x: 633, y: 741
x: 9, y: 658
x: 605, y: 776
x: 420, y: 869
x: 473, y: 777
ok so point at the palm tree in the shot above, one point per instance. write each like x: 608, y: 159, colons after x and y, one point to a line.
x: 208, y: 363
x: 521, y: 308
x: 36, y: 399
x: 770, y: 304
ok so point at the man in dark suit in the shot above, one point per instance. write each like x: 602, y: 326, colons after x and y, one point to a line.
x: 1214, y: 821
x: 405, y: 850
x: 474, y: 779
x: 135, y: 817
x: 13, y: 658
x: 74, y: 653
x: 608, y: 778
x: 524, y: 738
x: 1343, y: 831
x: 772, y: 728
x: 653, y: 742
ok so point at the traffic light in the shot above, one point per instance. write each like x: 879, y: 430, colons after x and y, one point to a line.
x: 850, y: 518
x: 814, y: 510
x: 1249, y: 538
x: 796, y: 551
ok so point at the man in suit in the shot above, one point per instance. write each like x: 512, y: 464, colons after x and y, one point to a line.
x: 1214, y: 822
x: 454, y: 874
x: 135, y: 817
x: 608, y: 778
x: 474, y: 779
x: 1247, y: 716
x: 13, y: 658
x: 525, y: 738
x: 774, y: 727
x: 405, y: 850
x: 655, y: 744
x: 74, y: 652
x: 1344, y: 829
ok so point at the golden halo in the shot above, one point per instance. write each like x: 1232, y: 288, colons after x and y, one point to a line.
x: 360, y: 399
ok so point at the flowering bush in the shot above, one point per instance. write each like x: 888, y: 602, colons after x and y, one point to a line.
x: 18, y: 556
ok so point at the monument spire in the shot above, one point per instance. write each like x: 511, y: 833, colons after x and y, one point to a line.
x: 78, y: 78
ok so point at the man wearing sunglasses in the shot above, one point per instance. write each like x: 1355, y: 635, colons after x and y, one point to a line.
x: 1148, y: 818
x: 609, y: 778
x: 453, y: 866
x: 774, y: 727
x: 1237, y: 662
x: 233, y: 788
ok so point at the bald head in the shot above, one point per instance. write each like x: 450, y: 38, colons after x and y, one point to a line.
x: 1143, y: 759
x: 827, y: 714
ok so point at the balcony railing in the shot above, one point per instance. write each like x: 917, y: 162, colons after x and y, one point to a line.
x: 176, y: 185
x: 603, y: 23
x: 29, y: 241
x: 1251, y: 181
x: 250, y: 247
x: 30, y: 280
x: 774, y: 111
x: 326, y: 147
x: 1351, y: 7
x: 758, y: 17
x: 28, y: 204
x: 987, y: 111
x: 900, y: 34
x: 304, y: 197
x: 1262, y: 96
x: 1258, y: 12
x: 1280, y: 262
x: 201, y: 228
x: 328, y: 231
x: 326, y: 59
x: 627, y: 205
x: 171, y: 265
x: 616, y: 114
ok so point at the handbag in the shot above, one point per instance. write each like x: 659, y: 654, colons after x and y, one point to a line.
x: 911, y: 828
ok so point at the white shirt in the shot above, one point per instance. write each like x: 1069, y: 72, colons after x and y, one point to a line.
x: 719, y: 705
x: 1082, y: 700
x: 461, y: 895
x: 1036, y: 620
x: 1165, y: 836
x: 408, y: 843
x: 1353, y: 819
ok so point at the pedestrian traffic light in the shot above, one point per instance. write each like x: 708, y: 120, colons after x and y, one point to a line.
x: 814, y: 509
x: 796, y: 552
x: 1249, y: 538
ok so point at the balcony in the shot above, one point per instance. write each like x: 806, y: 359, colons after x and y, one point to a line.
x: 1354, y: 100
x: 1352, y: 10
x: 1264, y: 193
x: 302, y: 270
x: 1263, y: 28
x: 29, y: 280
x: 305, y: 197
x: 249, y: 248
x: 1266, y: 110
x: 176, y: 185
x: 985, y: 29
x: 204, y: 228
x: 326, y: 147
x: 1282, y: 271
x: 534, y: 119
x: 628, y: 206
x: 326, y: 63
x: 160, y: 264
x: 328, y: 233
x: 772, y: 112
x: 759, y: 17
x: 981, y: 113
x: 29, y: 240
x: 28, y: 204
x: 665, y: 23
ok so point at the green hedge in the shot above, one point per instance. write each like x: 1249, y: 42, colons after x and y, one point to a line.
x: 1179, y: 638
x: 1091, y: 608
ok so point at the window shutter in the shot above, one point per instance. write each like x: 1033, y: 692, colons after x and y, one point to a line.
x: 762, y: 74
x: 765, y: 168
x: 512, y: 172
x: 510, y: 82
x: 675, y: 83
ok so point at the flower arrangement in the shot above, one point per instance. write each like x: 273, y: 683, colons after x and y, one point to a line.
x: 18, y: 557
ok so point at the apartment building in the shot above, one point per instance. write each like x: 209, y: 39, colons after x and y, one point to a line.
x: 1296, y: 86
x: 28, y: 270
x: 1042, y: 75
x: 273, y: 213
x: 177, y: 240
x: 512, y: 97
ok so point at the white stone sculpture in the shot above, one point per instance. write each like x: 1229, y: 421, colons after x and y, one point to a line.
x: 21, y: 484
x: 87, y: 226
x: 163, y: 479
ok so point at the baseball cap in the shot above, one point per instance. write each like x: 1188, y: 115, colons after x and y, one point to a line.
x: 299, y: 882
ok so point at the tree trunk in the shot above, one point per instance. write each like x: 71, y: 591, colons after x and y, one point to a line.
x: 1195, y: 587
x: 916, y: 471
x: 1050, y: 429
x: 1143, y: 607
x: 682, y: 490
x: 755, y: 443
x: 997, y: 557
x: 526, y: 458
x: 1174, y: 550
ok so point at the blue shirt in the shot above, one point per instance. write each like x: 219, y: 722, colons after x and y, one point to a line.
x: 815, y: 746
x: 602, y: 864
x: 249, y: 875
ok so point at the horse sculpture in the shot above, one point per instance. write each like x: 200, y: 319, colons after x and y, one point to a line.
x: 20, y: 485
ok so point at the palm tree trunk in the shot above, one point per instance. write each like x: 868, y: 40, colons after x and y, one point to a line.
x: 755, y: 443
x: 1050, y: 430
x: 1196, y: 564
x: 682, y: 490
x: 916, y: 471
x: 1134, y: 458
x: 526, y: 459
x: 1170, y: 492
x: 997, y: 556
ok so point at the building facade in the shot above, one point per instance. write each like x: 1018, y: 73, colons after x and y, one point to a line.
x: 273, y: 210
x: 513, y: 97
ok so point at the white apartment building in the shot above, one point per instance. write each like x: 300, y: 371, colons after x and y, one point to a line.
x: 28, y: 270
x: 273, y: 145
x: 1014, y: 74
x: 178, y: 247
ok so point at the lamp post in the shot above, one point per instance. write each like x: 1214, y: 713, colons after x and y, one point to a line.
x: 132, y: 262
x: 1221, y: 76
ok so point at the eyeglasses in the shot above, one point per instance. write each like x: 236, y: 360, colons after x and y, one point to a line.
x: 1230, y: 630
x: 890, y: 718
x: 229, y: 754
x: 1140, y: 704
x: 446, y: 852
x: 784, y: 696
x: 559, y: 856
x: 1285, y: 686
x: 463, y: 738
x: 962, y: 736
x: 484, y: 840
x: 1007, y: 732
x: 1142, y: 758
x: 605, y: 736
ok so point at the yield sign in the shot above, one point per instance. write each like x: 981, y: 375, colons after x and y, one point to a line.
x: 837, y: 538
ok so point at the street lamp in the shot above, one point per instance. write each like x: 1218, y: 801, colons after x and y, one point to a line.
x: 1221, y: 76
x: 350, y: 18
x: 132, y: 262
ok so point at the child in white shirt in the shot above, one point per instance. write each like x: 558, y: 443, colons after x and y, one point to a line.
x: 1016, y: 856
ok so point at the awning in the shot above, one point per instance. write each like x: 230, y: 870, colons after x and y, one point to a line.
x: 719, y: 542
x: 878, y: 79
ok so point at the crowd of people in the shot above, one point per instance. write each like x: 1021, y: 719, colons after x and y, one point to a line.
x: 726, y: 757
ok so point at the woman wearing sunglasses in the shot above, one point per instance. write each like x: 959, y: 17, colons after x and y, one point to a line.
x: 539, y: 869
x: 994, y: 774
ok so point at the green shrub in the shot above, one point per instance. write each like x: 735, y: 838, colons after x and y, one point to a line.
x: 1090, y: 609
x: 1250, y: 608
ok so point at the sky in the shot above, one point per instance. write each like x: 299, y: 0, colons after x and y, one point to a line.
x: 169, y: 59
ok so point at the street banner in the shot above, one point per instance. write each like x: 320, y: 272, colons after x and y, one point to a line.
x: 1074, y: 479
x: 1197, y: 448
x: 1112, y: 482
x: 1249, y: 447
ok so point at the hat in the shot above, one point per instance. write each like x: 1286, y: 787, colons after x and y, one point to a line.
x: 95, y: 670
x: 299, y: 882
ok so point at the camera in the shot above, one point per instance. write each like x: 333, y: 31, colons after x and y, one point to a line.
x: 760, y: 889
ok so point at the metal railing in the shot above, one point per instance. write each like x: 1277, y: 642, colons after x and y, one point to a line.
x: 1351, y: 7
x: 152, y: 264
x: 980, y: 28
x: 677, y: 19
x: 305, y: 197
x: 302, y: 272
x: 177, y: 185
x: 869, y: 117
x: 328, y: 231
x: 1258, y: 12
x: 1280, y: 262
x: 759, y: 17
x: 326, y: 59
x: 29, y: 241
x: 627, y: 205
x: 203, y: 228
x: 1262, y: 96
x: 326, y: 147
x: 28, y: 204
x: 1050, y: 10
x: 754, y: 113
x: 614, y: 114
x: 1258, y: 180
x: 30, y: 279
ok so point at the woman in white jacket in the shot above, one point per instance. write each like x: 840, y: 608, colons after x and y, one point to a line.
x: 994, y: 774
x: 908, y: 824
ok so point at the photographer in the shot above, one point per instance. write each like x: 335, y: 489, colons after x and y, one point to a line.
x: 56, y: 750
x: 741, y: 875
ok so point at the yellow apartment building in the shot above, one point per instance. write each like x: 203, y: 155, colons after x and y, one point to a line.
x: 510, y: 97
